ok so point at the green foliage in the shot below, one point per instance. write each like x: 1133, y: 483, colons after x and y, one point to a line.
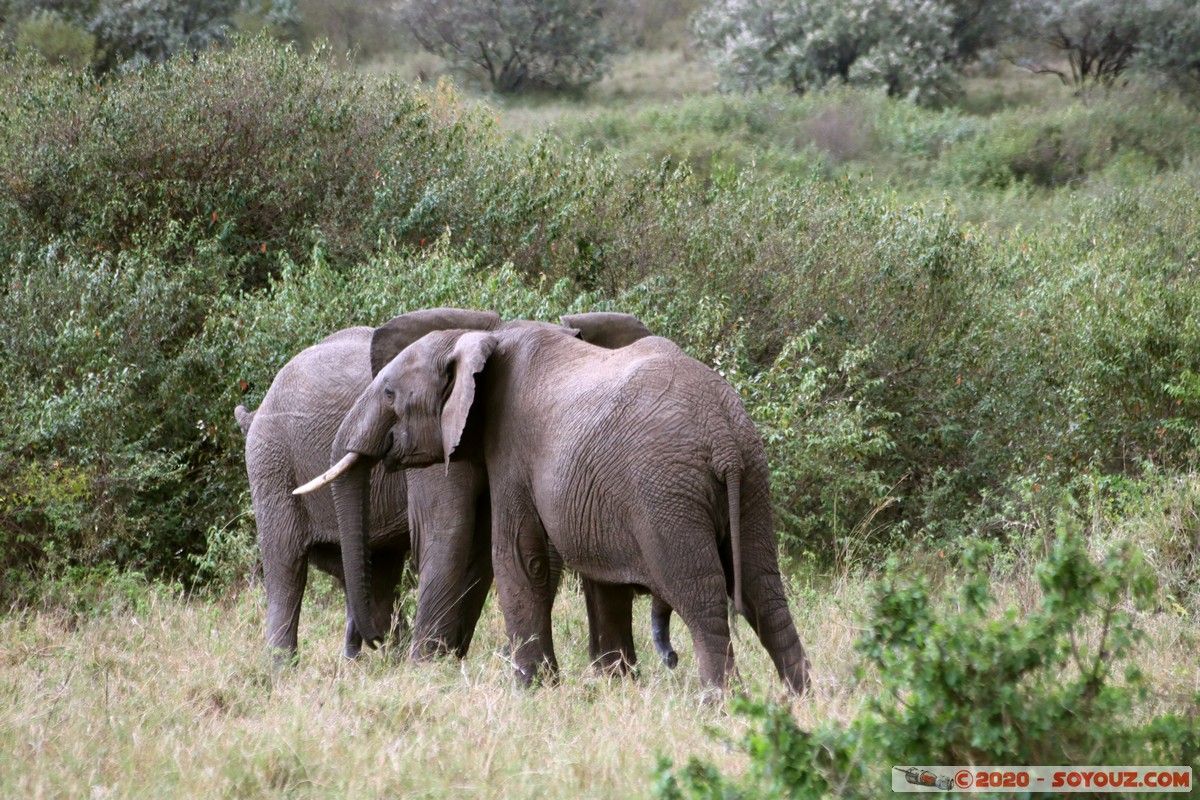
x: 1072, y: 144
x: 908, y: 48
x: 1055, y: 684
x: 254, y: 150
x: 517, y: 45
x: 56, y: 39
x: 229, y: 558
x: 172, y: 237
x: 961, y: 682
x: 157, y: 30
x: 1170, y: 43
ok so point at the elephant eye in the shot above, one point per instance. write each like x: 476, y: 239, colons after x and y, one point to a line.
x: 389, y: 396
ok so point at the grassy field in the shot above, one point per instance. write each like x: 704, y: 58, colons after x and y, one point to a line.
x: 164, y: 697
x: 1018, y: 365
x: 150, y: 695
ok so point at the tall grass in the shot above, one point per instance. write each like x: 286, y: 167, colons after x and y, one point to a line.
x: 136, y: 691
x: 161, y: 696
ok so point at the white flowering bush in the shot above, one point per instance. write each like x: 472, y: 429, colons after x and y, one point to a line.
x: 909, y: 47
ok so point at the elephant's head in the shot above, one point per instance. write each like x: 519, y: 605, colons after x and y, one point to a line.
x: 357, y: 455
x: 415, y: 411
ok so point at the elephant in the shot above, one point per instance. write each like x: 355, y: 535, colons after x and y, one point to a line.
x: 433, y: 513
x: 639, y: 466
x: 441, y: 515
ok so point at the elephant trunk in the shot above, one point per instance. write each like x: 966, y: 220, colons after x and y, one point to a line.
x: 351, y: 498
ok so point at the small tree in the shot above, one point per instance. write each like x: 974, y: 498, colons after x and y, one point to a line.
x: 910, y: 47
x: 517, y: 44
x: 1098, y: 38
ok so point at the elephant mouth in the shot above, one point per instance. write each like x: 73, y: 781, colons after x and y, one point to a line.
x: 396, y: 460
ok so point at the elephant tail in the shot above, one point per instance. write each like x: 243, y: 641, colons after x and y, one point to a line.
x: 733, y: 488
x: 244, y: 418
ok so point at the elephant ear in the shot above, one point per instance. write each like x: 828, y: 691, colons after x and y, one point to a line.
x: 396, y: 334
x: 608, y: 329
x: 468, y: 358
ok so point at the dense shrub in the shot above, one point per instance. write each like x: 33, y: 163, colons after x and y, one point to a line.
x: 56, y: 39
x: 1073, y: 144
x: 962, y: 682
x: 256, y: 149
x: 168, y: 239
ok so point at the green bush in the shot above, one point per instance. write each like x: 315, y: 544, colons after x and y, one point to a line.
x: 170, y: 237
x: 961, y: 682
x: 56, y: 39
x: 1073, y: 143
x: 255, y: 149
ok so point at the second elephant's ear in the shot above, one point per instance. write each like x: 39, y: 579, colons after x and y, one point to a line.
x: 608, y: 329
x: 468, y: 358
x: 396, y: 334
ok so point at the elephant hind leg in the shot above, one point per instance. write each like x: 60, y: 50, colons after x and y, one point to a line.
x: 703, y: 605
x: 769, y: 616
x: 610, y: 626
x: 688, y: 576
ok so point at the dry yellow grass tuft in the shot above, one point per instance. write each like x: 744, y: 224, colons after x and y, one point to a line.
x: 175, y: 698
x: 165, y: 697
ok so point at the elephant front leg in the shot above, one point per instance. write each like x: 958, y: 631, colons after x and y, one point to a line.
x: 284, y: 581
x: 452, y: 555
x: 610, y: 627
x: 520, y: 557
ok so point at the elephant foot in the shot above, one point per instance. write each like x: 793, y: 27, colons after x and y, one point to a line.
x: 283, y: 659
x: 427, y: 650
x: 670, y: 658
x: 352, y: 652
x: 712, y: 696
x: 615, y: 668
x: 536, y: 675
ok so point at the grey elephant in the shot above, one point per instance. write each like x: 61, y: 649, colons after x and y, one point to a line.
x: 440, y: 515
x: 640, y: 466
x: 435, y: 514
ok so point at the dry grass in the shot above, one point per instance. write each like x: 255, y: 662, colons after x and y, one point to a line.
x: 175, y: 699
x: 164, y: 697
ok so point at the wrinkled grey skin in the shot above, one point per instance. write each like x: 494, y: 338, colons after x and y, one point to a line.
x: 447, y: 506
x: 639, y: 466
x: 436, y: 516
x: 612, y: 330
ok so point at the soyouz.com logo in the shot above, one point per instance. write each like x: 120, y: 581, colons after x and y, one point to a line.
x: 1061, y: 780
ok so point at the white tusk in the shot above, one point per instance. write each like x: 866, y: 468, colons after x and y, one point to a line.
x: 329, y: 474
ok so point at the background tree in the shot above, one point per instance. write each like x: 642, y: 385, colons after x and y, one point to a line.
x: 154, y: 30
x: 1171, y: 43
x: 365, y: 28
x: 910, y: 47
x: 1098, y: 38
x: 104, y: 34
x: 56, y: 38
x: 518, y: 44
